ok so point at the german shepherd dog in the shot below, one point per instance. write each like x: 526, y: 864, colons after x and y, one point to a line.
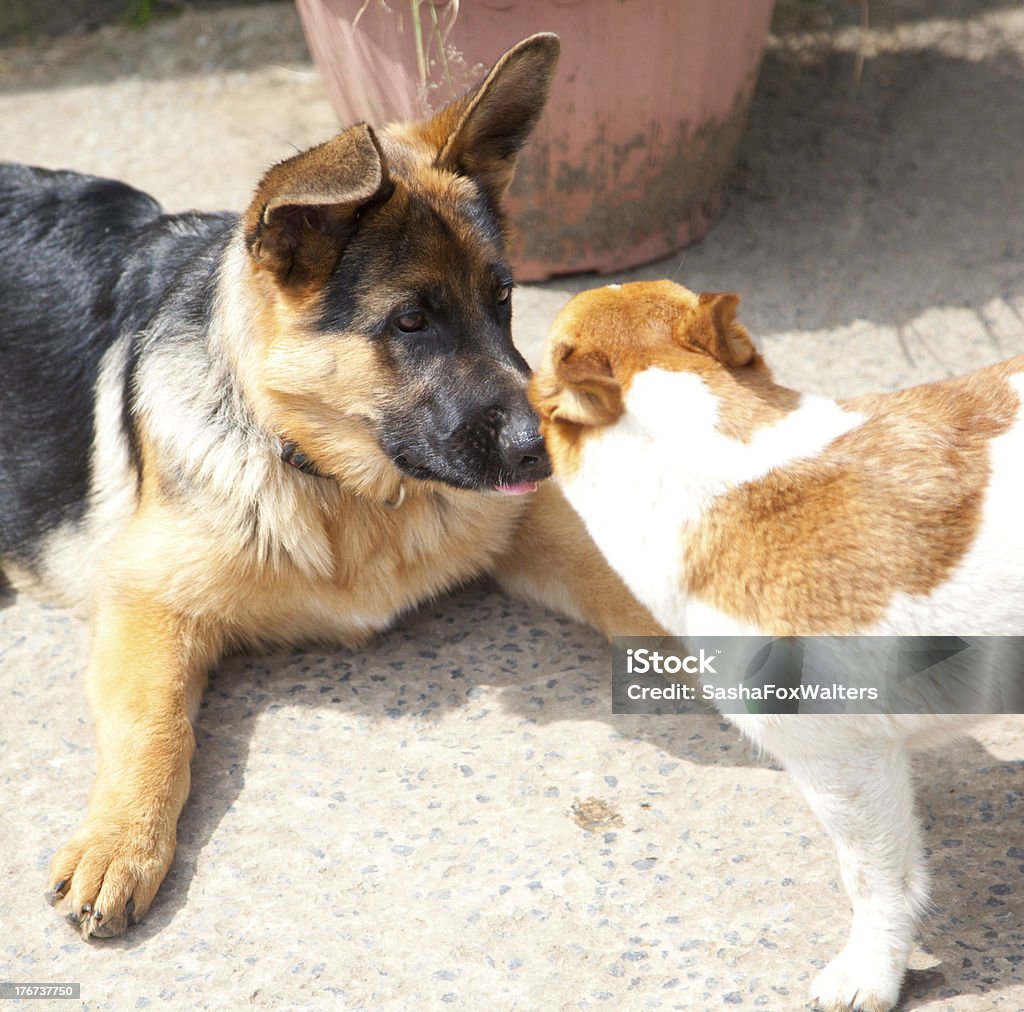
x: 287, y: 426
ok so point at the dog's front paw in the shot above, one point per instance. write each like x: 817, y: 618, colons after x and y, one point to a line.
x: 858, y: 981
x: 106, y: 876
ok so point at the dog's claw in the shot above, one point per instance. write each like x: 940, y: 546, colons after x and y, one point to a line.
x: 55, y: 894
x: 107, y: 930
x: 94, y: 923
x: 108, y: 875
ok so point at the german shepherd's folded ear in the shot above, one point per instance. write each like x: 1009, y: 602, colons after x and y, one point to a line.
x: 305, y: 208
x: 480, y: 134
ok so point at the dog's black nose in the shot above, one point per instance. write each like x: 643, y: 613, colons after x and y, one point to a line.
x: 525, y: 455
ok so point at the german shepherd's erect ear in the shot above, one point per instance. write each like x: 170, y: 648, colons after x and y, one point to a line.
x: 305, y: 207
x: 480, y: 134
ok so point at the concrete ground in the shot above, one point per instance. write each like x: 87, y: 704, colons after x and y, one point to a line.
x: 407, y: 827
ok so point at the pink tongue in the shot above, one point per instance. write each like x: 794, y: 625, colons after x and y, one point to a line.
x: 523, y: 489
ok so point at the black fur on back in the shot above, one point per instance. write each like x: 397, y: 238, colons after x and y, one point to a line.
x: 82, y: 261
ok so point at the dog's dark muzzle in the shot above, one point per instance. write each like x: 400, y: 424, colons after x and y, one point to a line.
x: 524, y: 455
x: 495, y: 447
x: 502, y: 447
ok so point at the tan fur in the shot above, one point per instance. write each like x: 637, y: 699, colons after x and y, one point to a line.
x: 836, y: 541
x: 551, y: 543
x: 604, y: 336
x: 325, y: 395
x: 147, y: 671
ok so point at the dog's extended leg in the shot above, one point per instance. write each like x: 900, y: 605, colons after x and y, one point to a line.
x: 860, y: 788
x: 147, y: 672
x: 553, y: 561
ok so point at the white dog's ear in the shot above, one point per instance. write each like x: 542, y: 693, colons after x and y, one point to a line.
x: 582, y: 389
x: 713, y: 329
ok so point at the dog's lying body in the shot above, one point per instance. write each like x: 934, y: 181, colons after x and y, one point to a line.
x: 287, y: 426
x: 733, y: 506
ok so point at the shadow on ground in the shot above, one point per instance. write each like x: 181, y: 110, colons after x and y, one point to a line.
x: 871, y: 203
x: 971, y: 804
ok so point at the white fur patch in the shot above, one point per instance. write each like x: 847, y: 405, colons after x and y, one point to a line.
x: 984, y: 595
x: 73, y: 554
x: 663, y: 463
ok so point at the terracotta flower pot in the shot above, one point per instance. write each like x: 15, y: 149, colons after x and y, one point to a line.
x: 630, y: 158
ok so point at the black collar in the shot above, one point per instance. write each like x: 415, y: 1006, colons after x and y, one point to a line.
x: 292, y: 455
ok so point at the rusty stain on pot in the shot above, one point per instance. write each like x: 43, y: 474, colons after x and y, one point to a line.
x: 635, y: 200
x: 645, y: 78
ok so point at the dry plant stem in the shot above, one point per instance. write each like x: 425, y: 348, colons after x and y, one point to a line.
x: 423, y: 47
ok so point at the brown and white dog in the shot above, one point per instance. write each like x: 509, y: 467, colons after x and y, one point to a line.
x: 731, y: 505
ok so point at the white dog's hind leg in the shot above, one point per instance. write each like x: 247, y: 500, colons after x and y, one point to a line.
x: 860, y: 788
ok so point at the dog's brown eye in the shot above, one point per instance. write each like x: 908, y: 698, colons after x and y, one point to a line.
x: 409, y: 323
x: 504, y: 294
